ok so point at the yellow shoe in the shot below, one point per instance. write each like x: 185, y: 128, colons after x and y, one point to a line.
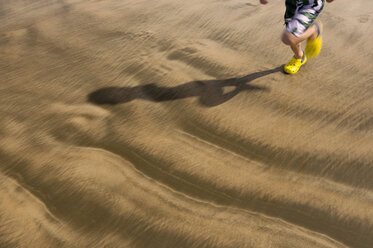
x: 294, y: 65
x: 313, y: 47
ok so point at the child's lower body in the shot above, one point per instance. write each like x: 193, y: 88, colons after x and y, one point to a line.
x: 300, y: 22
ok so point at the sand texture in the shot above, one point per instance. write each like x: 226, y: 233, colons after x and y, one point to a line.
x: 169, y: 124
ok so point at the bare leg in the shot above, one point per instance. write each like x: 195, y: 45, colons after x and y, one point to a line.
x: 297, y: 49
x: 290, y: 39
x: 295, y: 42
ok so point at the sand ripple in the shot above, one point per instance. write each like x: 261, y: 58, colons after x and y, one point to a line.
x: 170, y: 124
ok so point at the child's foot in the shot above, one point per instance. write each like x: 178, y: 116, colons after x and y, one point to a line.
x: 313, y: 47
x: 294, y: 65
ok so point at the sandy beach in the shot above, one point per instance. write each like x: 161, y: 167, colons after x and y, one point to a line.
x: 170, y: 124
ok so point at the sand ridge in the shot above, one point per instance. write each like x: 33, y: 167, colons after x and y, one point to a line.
x: 170, y: 124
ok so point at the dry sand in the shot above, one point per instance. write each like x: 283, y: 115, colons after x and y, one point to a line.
x: 169, y: 123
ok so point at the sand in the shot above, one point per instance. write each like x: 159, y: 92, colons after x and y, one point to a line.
x: 169, y: 123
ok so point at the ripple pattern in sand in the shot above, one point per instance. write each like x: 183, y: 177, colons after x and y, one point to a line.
x: 170, y: 124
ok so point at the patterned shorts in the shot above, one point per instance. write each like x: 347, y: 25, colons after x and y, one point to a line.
x: 300, y: 14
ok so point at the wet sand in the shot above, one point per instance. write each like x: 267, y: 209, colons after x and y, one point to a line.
x: 170, y: 124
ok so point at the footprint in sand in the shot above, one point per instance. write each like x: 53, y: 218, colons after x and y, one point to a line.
x: 241, y: 5
x: 78, y: 121
x: 364, y: 18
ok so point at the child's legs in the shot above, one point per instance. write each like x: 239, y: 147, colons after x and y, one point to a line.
x: 301, y: 27
x: 295, y: 42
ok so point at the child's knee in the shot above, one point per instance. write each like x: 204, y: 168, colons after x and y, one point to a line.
x: 287, y: 38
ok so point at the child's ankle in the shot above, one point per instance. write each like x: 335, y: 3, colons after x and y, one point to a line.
x: 301, y: 57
